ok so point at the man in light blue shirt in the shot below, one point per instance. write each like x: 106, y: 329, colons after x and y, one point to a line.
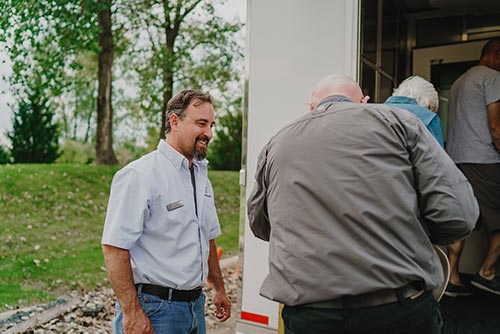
x: 161, y: 222
x: 419, y: 97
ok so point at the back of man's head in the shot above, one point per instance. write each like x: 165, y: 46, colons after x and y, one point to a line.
x: 421, y: 90
x: 490, y: 54
x: 490, y: 47
x: 336, y: 84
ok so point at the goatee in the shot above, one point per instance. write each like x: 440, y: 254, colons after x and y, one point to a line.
x: 200, y: 153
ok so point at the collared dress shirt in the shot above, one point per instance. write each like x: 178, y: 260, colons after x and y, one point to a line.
x: 151, y: 212
x: 430, y: 119
x: 351, y: 199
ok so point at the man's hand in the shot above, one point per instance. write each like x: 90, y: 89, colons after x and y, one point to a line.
x: 137, y: 323
x: 222, y: 306
x: 222, y: 303
x: 117, y: 260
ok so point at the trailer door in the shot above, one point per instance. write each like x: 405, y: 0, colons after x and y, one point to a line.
x: 291, y: 45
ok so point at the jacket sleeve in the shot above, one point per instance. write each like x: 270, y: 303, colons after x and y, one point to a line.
x: 257, y: 202
x: 447, y: 204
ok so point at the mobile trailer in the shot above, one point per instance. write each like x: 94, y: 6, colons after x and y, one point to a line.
x: 292, y: 44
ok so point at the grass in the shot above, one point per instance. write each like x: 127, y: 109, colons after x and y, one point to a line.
x: 51, y: 219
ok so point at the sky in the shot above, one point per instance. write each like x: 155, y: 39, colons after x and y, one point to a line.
x: 231, y: 9
x: 5, y: 97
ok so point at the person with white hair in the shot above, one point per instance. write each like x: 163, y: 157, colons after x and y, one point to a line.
x: 419, y: 97
x: 351, y: 197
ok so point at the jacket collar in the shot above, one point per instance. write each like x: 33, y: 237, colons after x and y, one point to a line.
x: 329, y: 100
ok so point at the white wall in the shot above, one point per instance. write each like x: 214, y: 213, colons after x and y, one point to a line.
x: 461, y: 52
x: 291, y: 45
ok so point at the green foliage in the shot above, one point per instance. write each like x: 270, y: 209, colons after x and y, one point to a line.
x: 129, y: 151
x: 42, y: 37
x: 4, y: 156
x: 189, y: 45
x: 76, y: 152
x: 225, y: 148
x: 227, y: 200
x: 54, y: 44
x: 34, y: 135
x: 52, y: 218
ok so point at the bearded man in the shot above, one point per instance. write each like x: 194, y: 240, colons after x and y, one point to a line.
x: 161, y: 222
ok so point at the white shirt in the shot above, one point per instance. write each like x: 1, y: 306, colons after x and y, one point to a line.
x: 151, y: 212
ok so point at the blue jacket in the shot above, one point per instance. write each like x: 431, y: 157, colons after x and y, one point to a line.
x: 430, y: 119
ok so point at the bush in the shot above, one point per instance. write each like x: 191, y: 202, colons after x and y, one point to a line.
x: 34, y: 135
x: 75, y: 152
x: 130, y: 151
x: 4, y: 156
x: 224, y: 151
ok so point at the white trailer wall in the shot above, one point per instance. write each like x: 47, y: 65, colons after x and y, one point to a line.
x: 291, y: 45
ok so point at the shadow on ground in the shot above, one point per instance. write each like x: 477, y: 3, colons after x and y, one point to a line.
x: 476, y: 314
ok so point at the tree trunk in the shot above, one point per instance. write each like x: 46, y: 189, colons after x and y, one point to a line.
x: 104, y: 133
x: 168, y: 88
x: 171, y: 33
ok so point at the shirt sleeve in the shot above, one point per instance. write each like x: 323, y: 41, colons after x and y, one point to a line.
x: 492, y: 88
x: 436, y: 129
x: 447, y: 204
x: 257, y: 202
x: 128, y: 209
x: 212, y: 219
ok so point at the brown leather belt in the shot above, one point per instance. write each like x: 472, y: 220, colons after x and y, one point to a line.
x: 374, y: 298
x: 169, y: 293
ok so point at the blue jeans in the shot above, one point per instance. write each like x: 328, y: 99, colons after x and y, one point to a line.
x: 419, y: 316
x: 168, y: 317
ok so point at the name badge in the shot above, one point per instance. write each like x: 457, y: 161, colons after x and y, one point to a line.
x: 175, y: 205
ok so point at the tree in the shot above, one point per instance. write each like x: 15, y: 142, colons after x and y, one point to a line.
x: 46, y: 39
x: 225, y: 148
x: 104, y: 134
x: 187, y: 45
x: 34, y: 136
x: 154, y: 47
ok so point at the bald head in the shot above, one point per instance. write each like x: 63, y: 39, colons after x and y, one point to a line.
x: 337, y: 84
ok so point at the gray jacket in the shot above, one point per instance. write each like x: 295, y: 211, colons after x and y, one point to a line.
x: 351, y: 200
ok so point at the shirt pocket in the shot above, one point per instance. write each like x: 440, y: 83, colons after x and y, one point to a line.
x: 169, y: 216
x: 210, y: 214
x: 176, y: 209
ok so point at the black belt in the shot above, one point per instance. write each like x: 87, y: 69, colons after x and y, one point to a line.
x: 370, y: 299
x: 169, y: 293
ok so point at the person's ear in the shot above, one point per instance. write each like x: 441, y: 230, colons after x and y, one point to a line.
x: 364, y: 99
x: 174, y: 121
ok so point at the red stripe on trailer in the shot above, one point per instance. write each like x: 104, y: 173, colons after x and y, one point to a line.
x: 261, y: 319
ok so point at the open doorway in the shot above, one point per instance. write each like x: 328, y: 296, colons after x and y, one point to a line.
x: 438, y: 40
x: 392, y: 30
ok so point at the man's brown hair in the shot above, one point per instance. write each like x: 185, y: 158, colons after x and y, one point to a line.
x: 177, y: 104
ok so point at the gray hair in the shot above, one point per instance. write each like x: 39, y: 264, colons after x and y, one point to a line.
x: 421, y: 90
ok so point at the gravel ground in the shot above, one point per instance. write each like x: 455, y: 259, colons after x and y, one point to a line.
x: 94, y: 312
